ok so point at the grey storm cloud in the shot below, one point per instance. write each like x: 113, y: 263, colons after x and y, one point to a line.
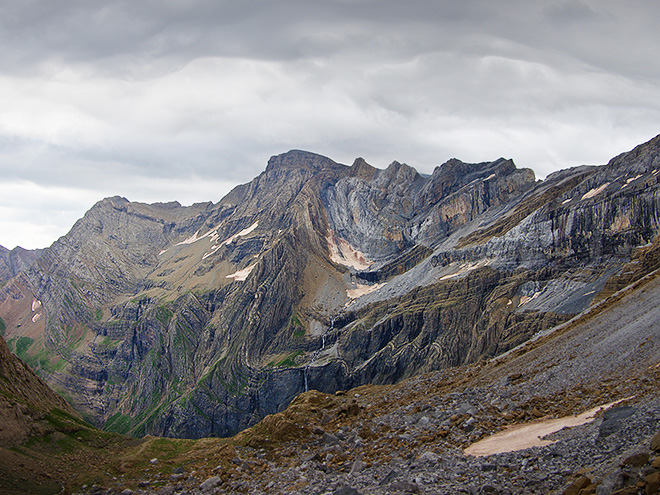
x: 162, y: 100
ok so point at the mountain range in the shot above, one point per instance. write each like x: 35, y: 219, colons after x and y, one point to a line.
x: 200, y: 321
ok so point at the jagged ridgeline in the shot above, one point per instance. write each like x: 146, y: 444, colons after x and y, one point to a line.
x: 199, y: 321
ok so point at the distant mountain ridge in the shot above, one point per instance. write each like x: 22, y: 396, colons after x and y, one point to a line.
x: 198, y: 321
x: 14, y: 261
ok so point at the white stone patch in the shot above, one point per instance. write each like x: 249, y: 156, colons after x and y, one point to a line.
x: 621, y: 223
x: 362, y: 290
x: 596, y: 191
x: 36, y: 304
x: 36, y: 317
x: 342, y: 253
x: 242, y: 275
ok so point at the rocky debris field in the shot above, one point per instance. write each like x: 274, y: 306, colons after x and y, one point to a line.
x: 410, y: 438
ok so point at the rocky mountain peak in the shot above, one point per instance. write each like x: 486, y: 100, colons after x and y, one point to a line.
x: 362, y: 169
x: 290, y: 281
x: 112, y: 201
x: 400, y: 171
x: 454, y: 168
x: 298, y: 159
x: 14, y: 261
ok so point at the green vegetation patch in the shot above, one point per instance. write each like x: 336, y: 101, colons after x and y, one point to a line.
x: 45, y: 361
x: 289, y: 361
x: 22, y: 346
x: 164, y: 315
x: 3, y: 327
x: 119, y: 423
x: 110, y: 342
x: 60, y: 418
x: 295, y: 320
x: 298, y: 333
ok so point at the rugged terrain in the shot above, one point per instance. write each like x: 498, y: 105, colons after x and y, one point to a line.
x: 425, y: 434
x: 199, y: 321
x: 422, y: 435
x: 409, y: 318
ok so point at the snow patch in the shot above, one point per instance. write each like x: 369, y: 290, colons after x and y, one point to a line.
x: 214, y: 248
x: 491, y: 176
x: 242, y: 233
x: 466, y: 268
x: 242, y: 275
x: 213, y: 236
x: 362, y: 290
x: 525, y: 299
x: 36, y: 317
x: 36, y: 304
x: 342, y: 253
x: 596, y: 191
x: 567, y: 201
x: 162, y: 252
x: 193, y: 238
x: 632, y: 179
x: 519, y: 437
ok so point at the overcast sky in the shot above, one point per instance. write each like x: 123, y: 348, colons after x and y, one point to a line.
x: 160, y: 100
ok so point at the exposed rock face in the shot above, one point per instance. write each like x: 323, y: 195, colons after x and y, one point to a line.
x: 199, y: 321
